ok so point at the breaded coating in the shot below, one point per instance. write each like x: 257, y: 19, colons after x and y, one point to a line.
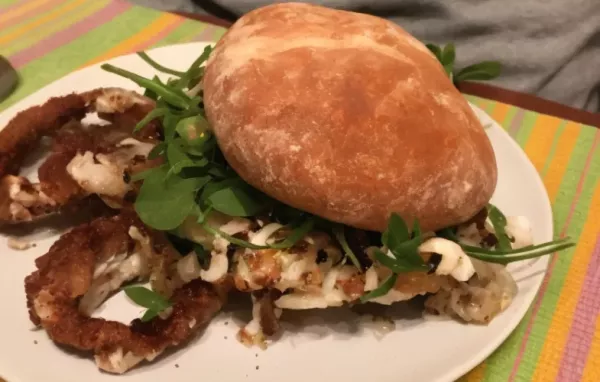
x: 87, y: 265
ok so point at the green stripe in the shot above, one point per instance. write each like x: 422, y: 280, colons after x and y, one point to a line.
x: 510, y: 116
x: 564, y: 199
x: 73, y: 55
x: 180, y: 34
x: 491, y: 105
x: 501, y: 362
x: 53, y: 26
x: 219, y: 32
x: 524, y: 132
x: 6, y: 3
x: 189, y: 29
x: 33, y: 19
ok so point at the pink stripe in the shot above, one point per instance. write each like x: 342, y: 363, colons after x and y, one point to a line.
x: 16, y: 4
x: 157, y: 37
x: 29, y: 14
x: 584, y: 322
x: 206, y: 34
x: 544, y: 286
x: 65, y: 36
x: 516, y: 123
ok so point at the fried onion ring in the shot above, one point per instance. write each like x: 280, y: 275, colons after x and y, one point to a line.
x: 84, y: 159
x: 89, y: 263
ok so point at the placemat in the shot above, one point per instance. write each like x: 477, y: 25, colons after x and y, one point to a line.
x: 559, y: 338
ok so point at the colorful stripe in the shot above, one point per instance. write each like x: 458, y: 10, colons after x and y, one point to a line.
x: 37, y: 12
x: 144, y: 38
x: 547, y: 306
x: 20, y: 10
x: 581, y: 334
x: 572, y: 290
x: 65, y: 36
x: 47, y: 39
x: 65, y: 8
x: 54, y: 27
x: 591, y: 372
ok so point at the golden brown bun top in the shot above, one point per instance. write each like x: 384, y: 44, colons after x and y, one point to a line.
x: 346, y: 116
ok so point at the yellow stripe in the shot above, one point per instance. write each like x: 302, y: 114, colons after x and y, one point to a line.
x: 48, y: 17
x: 562, y: 319
x: 475, y: 375
x: 163, y: 21
x: 28, y: 6
x: 539, y: 148
x: 500, y: 112
x: 591, y: 372
x: 558, y: 165
x: 56, y: 26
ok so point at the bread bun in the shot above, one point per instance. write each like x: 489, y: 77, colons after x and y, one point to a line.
x: 346, y: 116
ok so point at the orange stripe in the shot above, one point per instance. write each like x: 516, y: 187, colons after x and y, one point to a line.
x: 48, y: 17
x: 28, y: 6
x: 569, y: 296
x: 538, y: 149
x: 126, y: 46
x: 500, y: 112
x: 591, y: 372
x: 475, y: 375
x: 558, y: 165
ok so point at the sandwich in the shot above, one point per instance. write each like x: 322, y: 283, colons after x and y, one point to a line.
x: 323, y: 158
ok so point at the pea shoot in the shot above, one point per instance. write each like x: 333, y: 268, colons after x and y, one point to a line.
x: 152, y: 301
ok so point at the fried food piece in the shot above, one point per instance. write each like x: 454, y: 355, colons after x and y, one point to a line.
x: 87, y: 265
x: 84, y: 159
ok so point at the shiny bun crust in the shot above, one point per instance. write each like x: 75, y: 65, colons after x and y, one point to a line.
x: 348, y: 117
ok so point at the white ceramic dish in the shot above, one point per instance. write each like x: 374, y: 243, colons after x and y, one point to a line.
x: 328, y: 346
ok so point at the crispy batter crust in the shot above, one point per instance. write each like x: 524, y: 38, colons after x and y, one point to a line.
x: 60, y: 119
x: 65, y: 274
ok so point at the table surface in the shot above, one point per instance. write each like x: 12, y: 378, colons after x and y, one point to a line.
x: 47, y: 39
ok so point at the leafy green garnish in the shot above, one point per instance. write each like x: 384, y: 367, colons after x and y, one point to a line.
x: 499, y: 222
x: 295, y: 235
x: 447, y: 233
x: 512, y: 255
x: 338, y: 232
x: 382, y: 290
x: 483, y: 71
x: 231, y: 239
x: 404, y: 247
x: 233, y: 197
x: 486, y: 70
x: 164, y: 202
x: 203, y: 256
x: 169, y: 95
x: 152, y: 301
x: 158, y: 66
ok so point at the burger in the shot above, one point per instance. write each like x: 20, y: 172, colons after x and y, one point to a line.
x: 323, y: 158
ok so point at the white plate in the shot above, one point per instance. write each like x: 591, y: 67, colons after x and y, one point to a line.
x: 328, y: 348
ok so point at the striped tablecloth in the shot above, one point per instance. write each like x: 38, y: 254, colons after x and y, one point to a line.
x: 559, y: 338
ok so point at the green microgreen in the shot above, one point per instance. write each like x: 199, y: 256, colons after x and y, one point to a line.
x: 340, y: 235
x: 152, y: 301
x: 498, y: 221
x: 483, y: 71
x: 298, y: 232
x: 381, y: 290
x: 196, y: 179
x: 158, y: 66
x: 164, y: 202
